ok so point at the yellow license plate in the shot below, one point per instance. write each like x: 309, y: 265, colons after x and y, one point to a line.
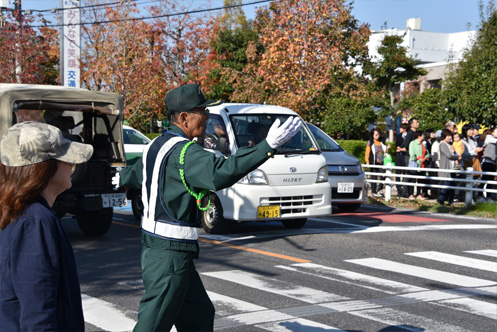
x: 269, y: 211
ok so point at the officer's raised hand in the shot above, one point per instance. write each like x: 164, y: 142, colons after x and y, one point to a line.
x: 278, y: 135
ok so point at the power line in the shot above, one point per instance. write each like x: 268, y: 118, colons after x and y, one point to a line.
x: 150, y: 17
x: 81, y: 7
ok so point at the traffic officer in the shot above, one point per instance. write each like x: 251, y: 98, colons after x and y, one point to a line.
x: 176, y: 173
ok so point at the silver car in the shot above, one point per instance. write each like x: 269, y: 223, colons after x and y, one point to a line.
x: 345, y: 173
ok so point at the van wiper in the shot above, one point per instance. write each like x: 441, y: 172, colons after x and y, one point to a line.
x: 287, y: 154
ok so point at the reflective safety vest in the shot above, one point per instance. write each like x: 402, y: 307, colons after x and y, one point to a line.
x: 156, y: 219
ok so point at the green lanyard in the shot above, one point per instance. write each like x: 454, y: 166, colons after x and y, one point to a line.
x: 200, y: 195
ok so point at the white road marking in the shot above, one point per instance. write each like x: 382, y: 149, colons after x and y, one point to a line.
x: 354, y: 278
x: 489, y: 252
x: 353, y: 229
x: 105, y: 315
x: 407, y: 321
x: 457, y: 260
x: 472, y: 306
x: 226, y: 305
x: 275, y: 286
x: 421, y: 272
x: 299, y: 324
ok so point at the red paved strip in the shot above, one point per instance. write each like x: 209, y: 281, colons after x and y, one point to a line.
x: 392, y: 217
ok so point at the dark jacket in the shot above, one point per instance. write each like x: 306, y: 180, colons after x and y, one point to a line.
x: 202, y: 170
x: 405, y: 144
x: 39, y: 286
x: 400, y: 156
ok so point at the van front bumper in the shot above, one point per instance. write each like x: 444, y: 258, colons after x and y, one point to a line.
x: 240, y: 202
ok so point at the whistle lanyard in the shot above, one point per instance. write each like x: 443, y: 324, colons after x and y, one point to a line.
x: 198, y: 197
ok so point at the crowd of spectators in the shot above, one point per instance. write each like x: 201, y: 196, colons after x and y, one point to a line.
x: 444, y: 149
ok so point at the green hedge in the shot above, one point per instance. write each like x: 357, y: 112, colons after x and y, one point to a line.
x: 152, y: 135
x: 358, y: 149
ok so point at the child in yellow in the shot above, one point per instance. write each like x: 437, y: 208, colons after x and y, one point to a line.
x: 459, y: 148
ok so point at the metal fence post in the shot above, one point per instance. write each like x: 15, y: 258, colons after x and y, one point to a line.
x: 388, y: 183
x: 468, y: 199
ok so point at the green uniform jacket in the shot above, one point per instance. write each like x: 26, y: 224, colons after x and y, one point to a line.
x: 203, y: 170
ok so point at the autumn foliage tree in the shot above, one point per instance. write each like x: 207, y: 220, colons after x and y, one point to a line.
x: 29, y: 50
x: 305, y: 44
x: 142, y: 60
x: 231, y: 37
x: 117, y: 59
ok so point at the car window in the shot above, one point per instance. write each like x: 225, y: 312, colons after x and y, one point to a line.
x: 215, y: 135
x: 132, y: 136
x: 252, y: 129
x: 325, y: 142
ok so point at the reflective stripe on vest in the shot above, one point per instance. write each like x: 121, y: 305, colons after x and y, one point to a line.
x: 168, y: 230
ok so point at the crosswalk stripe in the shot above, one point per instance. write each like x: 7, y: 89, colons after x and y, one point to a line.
x: 299, y: 324
x: 406, y: 321
x: 472, y: 306
x: 457, y: 260
x: 349, y: 277
x: 421, y: 272
x: 273, y: 320
x: 274, y: 286
x: 250, y: 318
x: 104, y: 315
x: 226, y: 305
x: 352, y: 229
x: 489, y: 252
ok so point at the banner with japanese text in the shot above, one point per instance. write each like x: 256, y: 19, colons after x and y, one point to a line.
x: 71, y: 43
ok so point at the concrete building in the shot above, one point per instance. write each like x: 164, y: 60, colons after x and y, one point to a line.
x: 434, y: 50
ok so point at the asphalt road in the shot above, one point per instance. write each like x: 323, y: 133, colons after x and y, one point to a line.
x: 373, y: 270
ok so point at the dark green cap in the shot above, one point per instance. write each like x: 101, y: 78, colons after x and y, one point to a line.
x: 186, y: 98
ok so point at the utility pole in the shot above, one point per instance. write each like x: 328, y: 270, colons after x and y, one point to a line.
x: 4, y: 4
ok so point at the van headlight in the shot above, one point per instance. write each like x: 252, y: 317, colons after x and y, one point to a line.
x: 322, y: 175
x: 254, y: 177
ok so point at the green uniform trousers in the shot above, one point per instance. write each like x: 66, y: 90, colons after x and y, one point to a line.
x: 174, y: 293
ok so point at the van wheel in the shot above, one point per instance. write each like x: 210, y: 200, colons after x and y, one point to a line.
x: 294, y: 223
x: 213, y: 221
x: 94, y: 223
x: 137, y: 205
x: 348, y: 207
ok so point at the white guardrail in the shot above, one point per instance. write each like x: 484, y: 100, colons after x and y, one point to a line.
x: 465, y: 177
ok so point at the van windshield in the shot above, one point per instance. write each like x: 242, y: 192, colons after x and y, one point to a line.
x: 251, y: 129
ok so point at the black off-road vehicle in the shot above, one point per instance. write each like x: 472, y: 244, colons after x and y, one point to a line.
x: 85, y: 116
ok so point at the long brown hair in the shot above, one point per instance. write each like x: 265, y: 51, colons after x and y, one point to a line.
x: 20, y: 186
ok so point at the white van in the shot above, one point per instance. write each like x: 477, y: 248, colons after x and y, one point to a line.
x: 290, y: 187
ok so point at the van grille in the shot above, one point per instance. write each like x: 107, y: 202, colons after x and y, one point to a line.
x: 345, y: 170
x: 293, y: 204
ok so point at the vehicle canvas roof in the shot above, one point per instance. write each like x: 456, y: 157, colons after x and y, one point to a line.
x: 10, y: 93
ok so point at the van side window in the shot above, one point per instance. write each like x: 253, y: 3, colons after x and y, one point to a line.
x: 216, y: 137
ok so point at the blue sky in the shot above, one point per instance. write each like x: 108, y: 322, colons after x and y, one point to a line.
x: 436, y: 15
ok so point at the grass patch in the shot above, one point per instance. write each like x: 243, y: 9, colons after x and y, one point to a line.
x: 485, y: 209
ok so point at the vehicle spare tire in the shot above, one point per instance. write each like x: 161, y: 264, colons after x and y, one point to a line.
x: 137, y: 204
x: 95, y: 223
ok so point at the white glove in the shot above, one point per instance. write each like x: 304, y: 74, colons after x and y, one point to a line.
x: 278, y: 135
